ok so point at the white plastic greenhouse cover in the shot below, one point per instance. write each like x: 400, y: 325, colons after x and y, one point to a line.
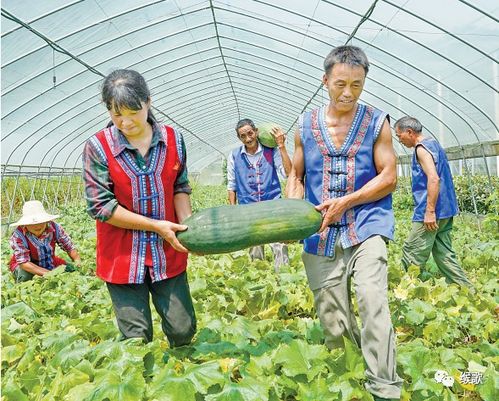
x: 210, y: 63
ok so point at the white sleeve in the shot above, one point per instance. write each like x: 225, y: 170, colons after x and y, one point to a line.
x: 278, y: 164
x: 231, y: 175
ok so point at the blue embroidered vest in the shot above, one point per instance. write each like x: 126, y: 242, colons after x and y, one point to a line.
x: 332, y: 173
x: 259, y: 182
x: 446, y: 202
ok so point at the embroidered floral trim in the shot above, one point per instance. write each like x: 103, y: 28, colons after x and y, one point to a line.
x: 352, y: 151
x: 326, y: 176
x: 141, y: 203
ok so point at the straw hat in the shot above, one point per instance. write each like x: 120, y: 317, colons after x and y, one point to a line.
x: 34, y: 213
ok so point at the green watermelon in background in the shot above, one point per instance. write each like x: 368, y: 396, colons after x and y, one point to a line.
x: 265, y: 135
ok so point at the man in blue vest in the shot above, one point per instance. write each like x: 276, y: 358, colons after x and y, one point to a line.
x: 345, y: 164
x: 435, y: 204
x: 253, y: 172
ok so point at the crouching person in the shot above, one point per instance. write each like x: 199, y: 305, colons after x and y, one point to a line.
x: 33, y: 242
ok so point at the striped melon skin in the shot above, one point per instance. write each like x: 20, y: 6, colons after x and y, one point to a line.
x: 265, y: 135
x: 231, y: 228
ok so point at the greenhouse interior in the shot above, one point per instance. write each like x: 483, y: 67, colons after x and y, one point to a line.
x: 211, y: 66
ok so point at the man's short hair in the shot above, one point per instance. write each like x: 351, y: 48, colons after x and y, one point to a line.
x: 406, y: 122
x: 351, y: 55
x: 243, y: 122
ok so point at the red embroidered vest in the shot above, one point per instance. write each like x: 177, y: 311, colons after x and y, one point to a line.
x: 123, y: 254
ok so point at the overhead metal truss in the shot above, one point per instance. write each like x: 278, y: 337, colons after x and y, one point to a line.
x: 210, y: 63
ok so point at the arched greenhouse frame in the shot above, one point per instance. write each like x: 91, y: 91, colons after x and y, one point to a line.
x: 209, y: 64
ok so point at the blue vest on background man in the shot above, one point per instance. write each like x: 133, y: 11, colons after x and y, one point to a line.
x: 446, y: 202
x: 332, y: 173
x: 259, y: 182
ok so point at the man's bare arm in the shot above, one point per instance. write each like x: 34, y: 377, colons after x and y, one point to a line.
x: 427, y: 163
x: 294, y: 186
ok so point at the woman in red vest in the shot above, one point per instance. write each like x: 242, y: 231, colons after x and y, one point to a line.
x: 137, y: 190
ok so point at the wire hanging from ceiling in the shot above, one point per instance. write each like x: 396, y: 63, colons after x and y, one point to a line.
x: 364, y: 18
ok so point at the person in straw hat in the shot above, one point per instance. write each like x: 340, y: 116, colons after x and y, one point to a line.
x: 33, y: 242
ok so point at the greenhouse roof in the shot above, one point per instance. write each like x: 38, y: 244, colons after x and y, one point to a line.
x: 210, y: 63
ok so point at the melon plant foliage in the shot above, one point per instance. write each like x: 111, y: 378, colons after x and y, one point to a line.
x: 258, y: 336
